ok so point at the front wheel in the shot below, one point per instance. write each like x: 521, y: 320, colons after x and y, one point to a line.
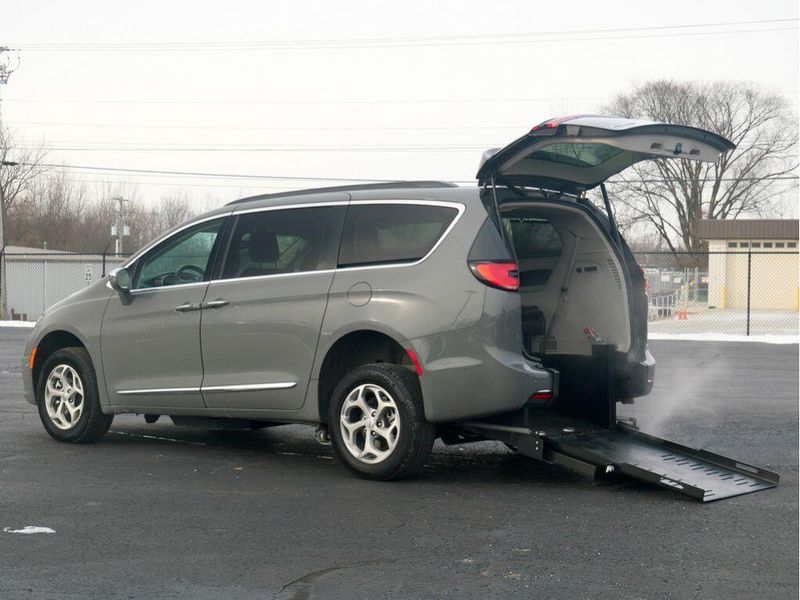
x: 377, y: 422
x: 68, y: 400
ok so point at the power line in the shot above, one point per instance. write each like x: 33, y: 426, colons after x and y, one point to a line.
x: 244, y: 188
x: 495, y: 99
x: 253, y: 128
x: 218, y: 175
x: 201, y: 174
x: 648, y: 36
x: 453, y: 40
x: 265, y: 149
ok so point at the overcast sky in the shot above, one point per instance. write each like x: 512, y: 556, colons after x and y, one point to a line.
x: 473, y: 75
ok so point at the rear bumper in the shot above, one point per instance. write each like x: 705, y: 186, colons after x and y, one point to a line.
x: 635, y: 378
x: 478, y: 380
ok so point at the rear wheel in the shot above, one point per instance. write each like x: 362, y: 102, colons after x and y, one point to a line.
x: 68, y: 400
x: 377, y: 422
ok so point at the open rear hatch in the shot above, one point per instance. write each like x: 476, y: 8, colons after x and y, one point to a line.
x: 561, y: 159
x: 575, y: 154
x: 580, y: 430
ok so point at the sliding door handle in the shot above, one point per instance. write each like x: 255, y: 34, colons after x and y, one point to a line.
x: 187, y: 306
x: 218, y: 303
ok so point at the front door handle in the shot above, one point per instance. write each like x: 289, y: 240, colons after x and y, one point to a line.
x: 187, y: 306
x: 218, y: 303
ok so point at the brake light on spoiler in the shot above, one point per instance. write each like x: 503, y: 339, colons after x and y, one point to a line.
x: 553, y: 123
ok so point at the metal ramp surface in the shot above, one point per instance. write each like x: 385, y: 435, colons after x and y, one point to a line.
x: 581, y: 432
x: 702, y: 475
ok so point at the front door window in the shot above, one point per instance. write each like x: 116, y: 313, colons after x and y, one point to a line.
x: 183, y: 258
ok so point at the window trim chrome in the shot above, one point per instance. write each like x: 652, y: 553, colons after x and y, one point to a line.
x: 140, y: 291
x: 168, y: 235
x: 290, y: 206
x: 460, y: 207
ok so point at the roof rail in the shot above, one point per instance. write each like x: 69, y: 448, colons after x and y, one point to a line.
x: 389, y: 185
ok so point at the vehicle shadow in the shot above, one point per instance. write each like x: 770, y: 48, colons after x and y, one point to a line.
x: 475, y: 463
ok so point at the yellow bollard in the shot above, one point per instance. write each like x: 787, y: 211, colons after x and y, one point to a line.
x: 722, y: 297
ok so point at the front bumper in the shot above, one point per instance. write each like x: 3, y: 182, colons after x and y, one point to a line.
x: 28, y: 389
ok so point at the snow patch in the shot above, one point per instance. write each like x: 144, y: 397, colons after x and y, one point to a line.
x: 21, y: 324
x: 725, y: 337
x: 29, y: 529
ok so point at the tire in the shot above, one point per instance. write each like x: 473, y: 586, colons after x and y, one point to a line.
x: 77, y: 418
x: 401, y: 437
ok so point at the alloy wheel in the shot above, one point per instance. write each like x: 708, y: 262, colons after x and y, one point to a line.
x: 63, y: 396
x: 369, y: 423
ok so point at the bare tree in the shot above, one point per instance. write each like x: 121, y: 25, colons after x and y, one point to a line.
x: 672, y: 195
x: 19, y: 168
x: 53, y: 212
x: 69, y: 216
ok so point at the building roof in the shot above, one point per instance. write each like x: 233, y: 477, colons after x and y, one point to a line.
x: 747, y: 229
x: 31, y: 250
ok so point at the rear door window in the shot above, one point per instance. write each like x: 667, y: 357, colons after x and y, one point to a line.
x: 276, y: 242
x: 377, y: 234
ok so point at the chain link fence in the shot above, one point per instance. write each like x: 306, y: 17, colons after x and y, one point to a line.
x: 32, y: 281
x: 753, y: 292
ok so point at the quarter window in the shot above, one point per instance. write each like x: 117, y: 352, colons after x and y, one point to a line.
x: 182, y: 258
x: 390, y: 233
x: 533, y: 238
x: 292, y: 240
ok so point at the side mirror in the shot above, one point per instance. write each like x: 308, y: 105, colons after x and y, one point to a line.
x: 120, y: 280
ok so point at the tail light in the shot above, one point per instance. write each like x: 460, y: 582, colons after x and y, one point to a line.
x: 502, y: 275
x: 542, y: 395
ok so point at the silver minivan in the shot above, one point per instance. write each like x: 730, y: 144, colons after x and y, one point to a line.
x: 381, y: 313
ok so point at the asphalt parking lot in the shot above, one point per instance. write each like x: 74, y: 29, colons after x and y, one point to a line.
x: 155, y: 511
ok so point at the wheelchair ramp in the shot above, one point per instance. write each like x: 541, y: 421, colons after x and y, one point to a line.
x: 702, y: 475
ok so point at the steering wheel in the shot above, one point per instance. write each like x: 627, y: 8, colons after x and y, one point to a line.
x: 189, y: 274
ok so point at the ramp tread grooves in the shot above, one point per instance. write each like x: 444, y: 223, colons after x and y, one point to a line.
x: 704, y: 477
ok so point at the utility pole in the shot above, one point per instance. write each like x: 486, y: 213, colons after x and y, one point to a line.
x: 120, y: 230
x: 7, y: 66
